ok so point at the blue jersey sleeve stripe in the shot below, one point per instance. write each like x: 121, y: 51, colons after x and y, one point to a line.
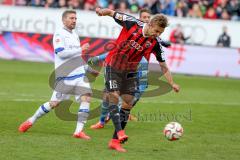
x: 102, y: 56
x: 58, y: 50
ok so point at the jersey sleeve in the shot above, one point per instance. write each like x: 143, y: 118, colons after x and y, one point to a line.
x: 158, y: 52
x: 58, y: 43
x: 102, y: 57
x: 125, y: 20
x: 63, y: 50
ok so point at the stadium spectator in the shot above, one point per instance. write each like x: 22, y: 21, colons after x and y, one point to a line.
x: 224, y: 39
x: 111, y: 5
x: 220, y: 6
x: 225, y: 15
x: 20, y: 2
x: 90, y: 4
x: 206, y: 3
x: 50, y: 4
x: 168, y: 7
x: 181, y: 9
x: 203, y: 5
x: 7, y: 2
x: 195, y: 12
x: 36, y: 3
x: 210, y: 14
x: 62, y: 4
x: 122, y: 6
x: 191, y: 2
x: 103, y: 3
x: 216, y: 3
x: 133, y: 5
x: 233, y: 9
x: 153, y: 5
x: 74, y: 4
x: 177, y: 35
x: 140, y: 3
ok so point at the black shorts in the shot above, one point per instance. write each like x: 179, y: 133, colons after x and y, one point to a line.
x: 123, y: 81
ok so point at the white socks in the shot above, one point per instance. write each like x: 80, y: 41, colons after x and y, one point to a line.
x: 81, y: 120
x: 42, y: 110
x: 82, y: 116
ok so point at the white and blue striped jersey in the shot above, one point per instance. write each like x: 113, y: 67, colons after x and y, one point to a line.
x: 67, y: 46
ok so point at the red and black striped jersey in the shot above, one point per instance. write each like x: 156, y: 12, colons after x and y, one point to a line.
x: 131, y: 45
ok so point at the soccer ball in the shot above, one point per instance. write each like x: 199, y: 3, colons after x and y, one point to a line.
x: 173, y: 131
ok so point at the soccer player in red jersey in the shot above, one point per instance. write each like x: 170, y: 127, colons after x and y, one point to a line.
x: 137, y: 39
x: 144, y: 16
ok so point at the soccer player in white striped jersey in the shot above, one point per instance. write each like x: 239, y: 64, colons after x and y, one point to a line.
x: 66, y: 44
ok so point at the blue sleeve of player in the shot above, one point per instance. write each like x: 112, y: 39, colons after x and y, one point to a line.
x: 97, y: 59
x: 102, y: 57
x: 142, y: 75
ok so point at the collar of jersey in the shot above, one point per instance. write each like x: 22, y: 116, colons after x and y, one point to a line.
x: 67, y: 30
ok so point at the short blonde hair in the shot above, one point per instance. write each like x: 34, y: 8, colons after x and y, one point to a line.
x: 160, y: 20
x: 66, y: 12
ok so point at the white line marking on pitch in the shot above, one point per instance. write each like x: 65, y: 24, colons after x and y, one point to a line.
x: 33, y: 98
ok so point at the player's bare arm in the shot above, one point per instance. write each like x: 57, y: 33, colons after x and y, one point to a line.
x: 168, y: 76
x: 104, y: 12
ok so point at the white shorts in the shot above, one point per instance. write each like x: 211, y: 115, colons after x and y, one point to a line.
x: 76, y: 87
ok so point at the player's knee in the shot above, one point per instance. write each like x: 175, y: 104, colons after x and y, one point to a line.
x: 127, y: 105
x: 113, y: 97
x: 53, y: 104
x: 86, y: 98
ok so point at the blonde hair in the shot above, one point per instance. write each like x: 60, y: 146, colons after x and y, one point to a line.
x: 65, y: 13
x: 160, y: 20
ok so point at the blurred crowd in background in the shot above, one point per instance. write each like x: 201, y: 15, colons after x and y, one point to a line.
x: 208, y: 9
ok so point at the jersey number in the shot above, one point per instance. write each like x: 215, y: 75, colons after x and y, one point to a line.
x: 113, y: 84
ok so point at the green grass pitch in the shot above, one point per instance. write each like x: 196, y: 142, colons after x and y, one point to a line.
x: 208, y: 109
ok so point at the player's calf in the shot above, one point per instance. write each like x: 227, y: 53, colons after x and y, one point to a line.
x: 41, y: 111
x: 122, y: 137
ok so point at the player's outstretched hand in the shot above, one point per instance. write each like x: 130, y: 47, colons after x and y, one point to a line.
x: 99, y: 11
x: 104, y: 12
x: 176, y: 87
x: 92, y: 60
x: 85, y: 47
